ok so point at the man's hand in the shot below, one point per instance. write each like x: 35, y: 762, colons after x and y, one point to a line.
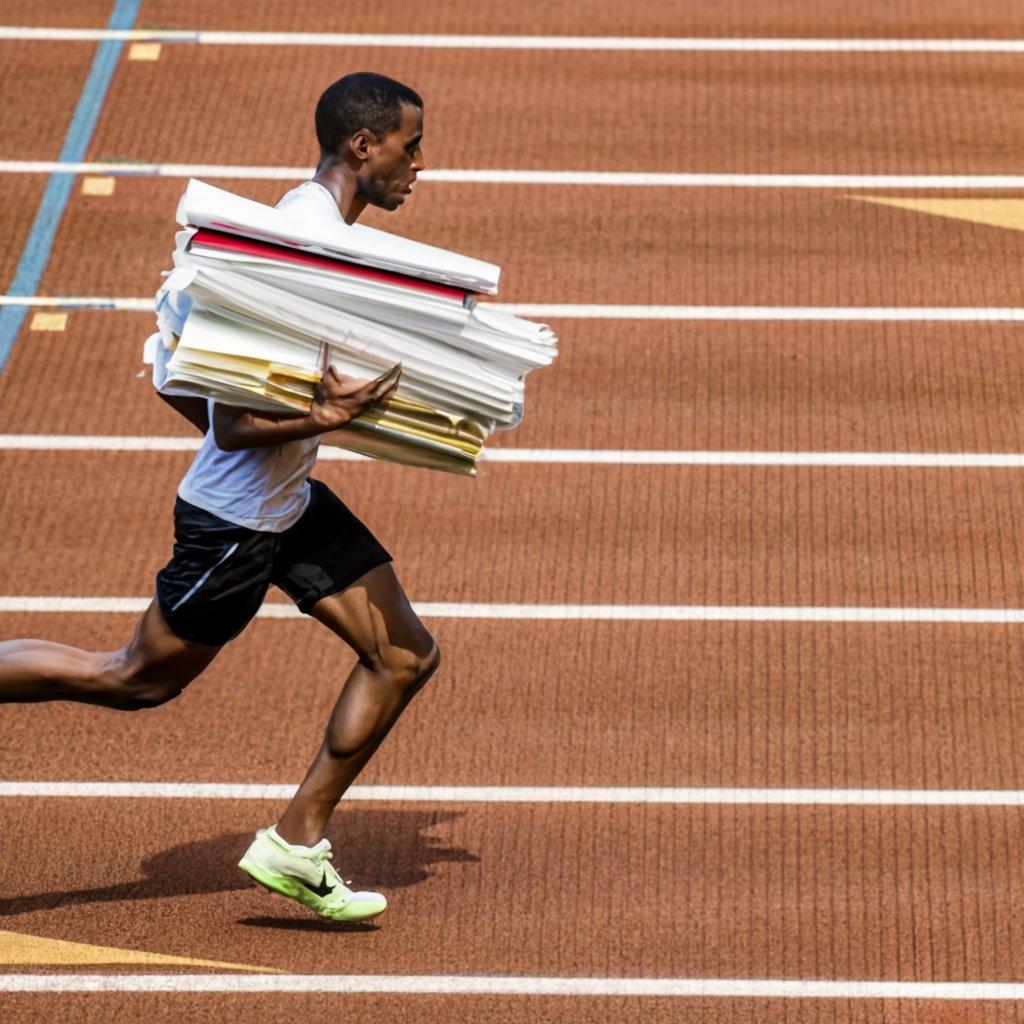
x: 339, y: 399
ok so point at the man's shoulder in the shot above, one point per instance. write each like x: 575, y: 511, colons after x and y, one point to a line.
x: 309, y: 197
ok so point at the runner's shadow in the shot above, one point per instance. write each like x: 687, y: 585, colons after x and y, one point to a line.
x: 386, y: 849
x: 309, y: 924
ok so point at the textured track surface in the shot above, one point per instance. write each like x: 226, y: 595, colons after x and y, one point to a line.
x: 906, y: 387
x: 746, y: 247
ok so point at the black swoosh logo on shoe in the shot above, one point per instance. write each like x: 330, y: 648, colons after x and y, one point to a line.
x: 322, y: 890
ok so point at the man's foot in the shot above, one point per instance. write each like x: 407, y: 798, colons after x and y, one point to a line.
x: 305, y: 874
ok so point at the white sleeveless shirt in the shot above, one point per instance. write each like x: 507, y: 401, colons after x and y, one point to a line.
x: 260, y: 488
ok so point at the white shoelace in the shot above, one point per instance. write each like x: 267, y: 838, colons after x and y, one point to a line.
x: 332, y: 876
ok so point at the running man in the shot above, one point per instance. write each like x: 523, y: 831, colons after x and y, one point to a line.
x: 248, y: 516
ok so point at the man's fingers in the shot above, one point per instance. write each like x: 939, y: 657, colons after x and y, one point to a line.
x: 355, y: 383
x: 387, y: 382
x: 341, y: 386
x: 358, y: 395
x: 385, y: 387
x: 393, y: 373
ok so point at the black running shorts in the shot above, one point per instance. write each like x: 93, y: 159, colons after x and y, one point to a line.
x: 219, y: 573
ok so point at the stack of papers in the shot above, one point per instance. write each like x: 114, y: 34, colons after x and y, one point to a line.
x: 265, y: 296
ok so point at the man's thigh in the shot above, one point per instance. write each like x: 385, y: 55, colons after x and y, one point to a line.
x: 374, y: 616
x: 217, y: 577
x: 155, y: 652
x: 326, y: 552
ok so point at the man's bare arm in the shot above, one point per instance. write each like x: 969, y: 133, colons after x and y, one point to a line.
x: 195, y: 410
x: 337, y: 401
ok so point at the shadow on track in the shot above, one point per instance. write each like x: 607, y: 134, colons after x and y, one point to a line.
x: 380, y: 849
x: 309, y: 924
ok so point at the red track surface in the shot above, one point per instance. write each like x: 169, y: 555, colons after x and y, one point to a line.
x: 614, y: 245
x: 568, y: 889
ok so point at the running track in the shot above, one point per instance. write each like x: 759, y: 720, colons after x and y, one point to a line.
x: 780, y: 780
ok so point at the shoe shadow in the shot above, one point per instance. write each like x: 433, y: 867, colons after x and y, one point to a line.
x: 309, y: 924
x: 387, y: 849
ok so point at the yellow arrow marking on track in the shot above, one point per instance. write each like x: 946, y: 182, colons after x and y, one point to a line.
x: 996, y: 213
x: 18, y: 949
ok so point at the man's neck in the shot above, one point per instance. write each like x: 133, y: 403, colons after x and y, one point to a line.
x: 339, y: 180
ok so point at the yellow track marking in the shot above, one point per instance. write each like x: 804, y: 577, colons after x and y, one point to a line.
x: 94, y: 185
x: 19, y: 950
x: 48, y: 322
x: 144, y: 51
x: 997, y: 213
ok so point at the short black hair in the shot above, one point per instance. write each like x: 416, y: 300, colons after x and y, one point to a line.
x: 360, y: 100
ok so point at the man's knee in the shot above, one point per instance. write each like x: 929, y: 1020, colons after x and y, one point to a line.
x: 128, y: 688
x: 412, y: 668
x: 429, y: 662
x: 409, y: 668
x: 151, y: 695
x: 139, y: 695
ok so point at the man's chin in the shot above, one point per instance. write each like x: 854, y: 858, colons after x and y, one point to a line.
x: 388, y: 203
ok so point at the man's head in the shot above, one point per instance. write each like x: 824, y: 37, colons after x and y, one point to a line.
x: 374, y: 125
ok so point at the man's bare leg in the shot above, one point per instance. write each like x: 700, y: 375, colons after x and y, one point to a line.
x: 396, y: 657
x: 153, y: 667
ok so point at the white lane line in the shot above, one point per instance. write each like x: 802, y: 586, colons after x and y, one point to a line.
x: 146, y: 170
x: 89, y: 443
x: 944, y: 314
x: 761, y: 797
x: 542, y: 177
x: 567, y: 456
x: 725, y: 988
x: 627, y: 457
x: 31, y: 604
x: 142, y: 304
x: 515, y: 42
x: 612, y: 311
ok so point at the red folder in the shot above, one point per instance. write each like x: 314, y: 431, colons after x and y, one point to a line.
x: 300, y: 257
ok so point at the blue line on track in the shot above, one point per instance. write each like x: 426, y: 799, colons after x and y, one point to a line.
x: 36, y: 253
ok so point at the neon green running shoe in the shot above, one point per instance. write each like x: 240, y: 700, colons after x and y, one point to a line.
x: 305, y: 874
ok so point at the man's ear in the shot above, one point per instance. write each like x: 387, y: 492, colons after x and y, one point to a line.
x: 361, y: 142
